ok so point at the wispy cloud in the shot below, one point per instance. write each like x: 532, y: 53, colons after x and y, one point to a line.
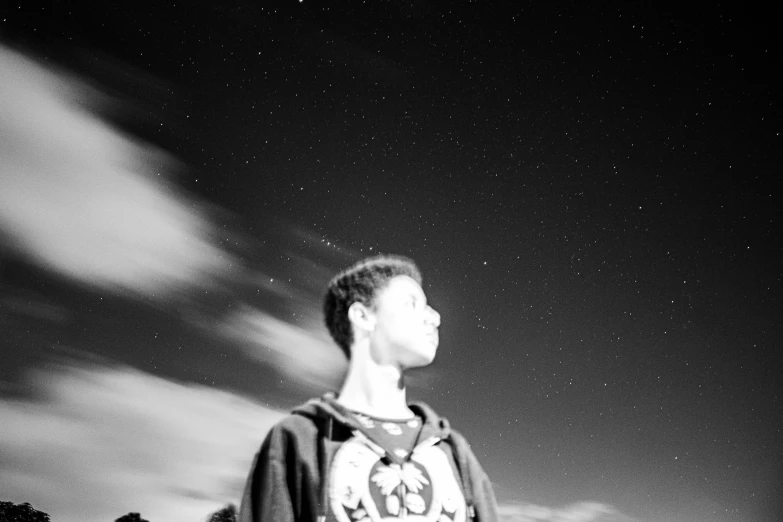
x: 283, y: 326
x: 102, y: 442
x: 79, y: 197
x: 578, y: 512
x: 305, y: 354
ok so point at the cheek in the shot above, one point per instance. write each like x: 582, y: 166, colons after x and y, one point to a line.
x: 403, y: 329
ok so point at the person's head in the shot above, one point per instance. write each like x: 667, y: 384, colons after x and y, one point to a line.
x: 381, y: 298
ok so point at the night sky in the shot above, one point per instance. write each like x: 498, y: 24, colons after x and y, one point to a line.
x: 593, y: 196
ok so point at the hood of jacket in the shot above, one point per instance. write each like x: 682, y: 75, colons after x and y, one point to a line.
x: 323, y: 409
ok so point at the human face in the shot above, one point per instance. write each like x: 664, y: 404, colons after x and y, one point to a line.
x: 406, y: 327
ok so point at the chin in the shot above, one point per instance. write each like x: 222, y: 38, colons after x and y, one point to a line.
x: 419, y: 363
x: 424, y: 356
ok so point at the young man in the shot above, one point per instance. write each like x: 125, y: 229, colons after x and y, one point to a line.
x: 367, y: 454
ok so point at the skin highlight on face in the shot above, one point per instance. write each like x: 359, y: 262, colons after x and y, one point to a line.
x: 404, y: 327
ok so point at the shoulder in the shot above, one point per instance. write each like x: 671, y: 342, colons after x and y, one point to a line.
x: 462, y: 448
x: 295, y: 422
x: 294, y: 426
x: 293, y: 433
x: 459, y: 438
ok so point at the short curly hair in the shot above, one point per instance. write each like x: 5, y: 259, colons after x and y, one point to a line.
x: 361, y: 282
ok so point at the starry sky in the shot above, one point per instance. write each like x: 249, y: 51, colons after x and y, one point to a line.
x: 590, y: 192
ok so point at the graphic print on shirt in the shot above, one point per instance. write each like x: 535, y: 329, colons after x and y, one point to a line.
x: 363, y: 488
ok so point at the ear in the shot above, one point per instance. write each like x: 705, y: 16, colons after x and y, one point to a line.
x: 361, y: 317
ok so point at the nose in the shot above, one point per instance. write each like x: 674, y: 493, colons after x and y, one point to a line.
x: 433, y: 317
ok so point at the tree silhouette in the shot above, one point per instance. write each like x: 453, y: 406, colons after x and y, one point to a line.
x: 227, y: 514
x: 10, y: 512
x: 131, y: 517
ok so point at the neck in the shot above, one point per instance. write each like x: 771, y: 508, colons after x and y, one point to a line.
x: 374, y: 388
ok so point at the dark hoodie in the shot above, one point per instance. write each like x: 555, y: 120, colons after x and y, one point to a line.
x: 315, y: 465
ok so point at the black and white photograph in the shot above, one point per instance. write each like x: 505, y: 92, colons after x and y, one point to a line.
x: 380, y: 260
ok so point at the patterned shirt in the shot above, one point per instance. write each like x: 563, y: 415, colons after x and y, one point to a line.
x: 385, y: 473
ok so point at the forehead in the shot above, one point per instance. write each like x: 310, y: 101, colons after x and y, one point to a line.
x: 401, y: 286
